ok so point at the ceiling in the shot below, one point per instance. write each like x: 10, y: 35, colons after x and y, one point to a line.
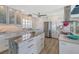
x: 43, y: 9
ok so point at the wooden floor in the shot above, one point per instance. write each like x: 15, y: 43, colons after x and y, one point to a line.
x: 51, y: 46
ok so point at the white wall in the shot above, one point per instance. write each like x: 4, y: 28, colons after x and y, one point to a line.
x: 38, y: 23
x: 58, y: 15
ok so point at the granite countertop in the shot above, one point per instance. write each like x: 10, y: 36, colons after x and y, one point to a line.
x: 12, y: 35
x: 65, y: 39
x: 7, y: 35
x: 31, y: 35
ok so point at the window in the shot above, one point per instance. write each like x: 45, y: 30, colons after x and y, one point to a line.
x: 18, y: 17
x: 27, y: 23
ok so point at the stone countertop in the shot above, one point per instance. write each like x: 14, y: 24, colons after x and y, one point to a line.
x: 65, y: 39
x: 30, y: 36
x: 8, y: 35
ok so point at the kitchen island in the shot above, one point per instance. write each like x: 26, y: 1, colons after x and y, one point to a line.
x: 68, y: 46
x: 18, y: 42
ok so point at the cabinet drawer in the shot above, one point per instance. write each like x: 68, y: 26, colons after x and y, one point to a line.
x: 33, y: 45
x: 22, y: 51
x: 22, y: 44
x: 26, y: 42
x: 30, y: 40
x: 30, y: 48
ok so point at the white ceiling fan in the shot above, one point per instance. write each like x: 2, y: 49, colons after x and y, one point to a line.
x: 39, y: 14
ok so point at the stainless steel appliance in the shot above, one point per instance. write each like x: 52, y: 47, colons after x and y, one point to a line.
x: 48, y: 29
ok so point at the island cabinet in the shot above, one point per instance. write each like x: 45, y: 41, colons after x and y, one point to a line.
x: 32, y: 46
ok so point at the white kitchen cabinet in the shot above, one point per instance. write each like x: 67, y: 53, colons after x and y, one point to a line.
x: 3, y: 14
x: 27, y: 49
x: 12, y: 18
x: 40, y: 42
x: 32, y: 46
x: 68, y: 48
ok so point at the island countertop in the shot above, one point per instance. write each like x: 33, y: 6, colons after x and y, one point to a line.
x: 8, y: 35
x: 29, y: 36
x: 65, y: 39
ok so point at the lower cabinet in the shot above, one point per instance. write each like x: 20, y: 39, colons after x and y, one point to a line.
x: 32, y: 46
x: 27, y: 49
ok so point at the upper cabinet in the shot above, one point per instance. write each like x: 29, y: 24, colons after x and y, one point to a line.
x: 11, y: 16
x: 2, y: 14
x: 18, y: 17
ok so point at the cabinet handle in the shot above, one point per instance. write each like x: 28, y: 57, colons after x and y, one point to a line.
x: 30, y: 46
x: 30, y: 40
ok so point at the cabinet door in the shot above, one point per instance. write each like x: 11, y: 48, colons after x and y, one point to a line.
x: 2, y: 14
x: 11, y: 16
x: 18, y: 18
x: 40, y: 42
x: 28, y: 48
x: 33, y: 45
